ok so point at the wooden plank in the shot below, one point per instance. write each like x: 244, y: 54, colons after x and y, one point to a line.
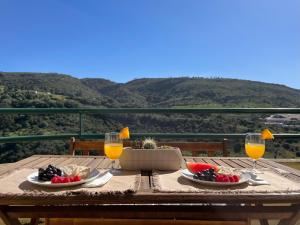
x: 146, y: 181
x: 105, y: 164
x: 198, y: 159
x: 154, y: 198
x: 23, y: 162
x: 95, y: 163
x: 34, y: 162
x: 250, y: 163
x: 247, y: 162
x: 280, y: 166
x: 263, y: 164
x: 219, y: 162
x: 196, y: 146
x: 226, y: 163
x: 236, y: 161
x: 181, y: 212
x: 44, y: 163
x: 208, y: 160
x: 141, y: 222
x: 55, y: 161
x: 289, y: 172
x: 81, y: 161
x: 93, y: 145
x: 19, y: 164
x: 232, y: 163
x: 87, y: 161
x: 67, y: 161
x: 242, y: 163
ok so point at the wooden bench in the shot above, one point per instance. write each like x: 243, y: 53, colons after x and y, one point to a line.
x: 85, y: 146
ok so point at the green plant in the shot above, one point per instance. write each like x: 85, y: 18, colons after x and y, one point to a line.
x: 149, y: 143
x: 137, y: 144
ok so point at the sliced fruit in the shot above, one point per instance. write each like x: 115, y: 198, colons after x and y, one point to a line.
x: 267, y: 134
x: 236, y: 178
x: 198, y: 167
x: 226, y: 179
x: 59, y: 179
x: 124, y: 133
x: 231, y: 179
x: 76, y: 178
x: 54, y: 180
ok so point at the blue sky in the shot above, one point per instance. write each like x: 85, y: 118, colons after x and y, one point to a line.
x: 125, y: 39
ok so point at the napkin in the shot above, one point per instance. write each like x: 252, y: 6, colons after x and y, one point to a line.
x: 256, y: 180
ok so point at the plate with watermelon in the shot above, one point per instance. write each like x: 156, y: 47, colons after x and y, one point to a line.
x: 213, y: 175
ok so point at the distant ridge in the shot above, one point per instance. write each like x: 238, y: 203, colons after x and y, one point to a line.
x: 156, y: 92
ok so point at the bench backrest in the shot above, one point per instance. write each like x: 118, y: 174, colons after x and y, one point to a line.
x: 85, y: 146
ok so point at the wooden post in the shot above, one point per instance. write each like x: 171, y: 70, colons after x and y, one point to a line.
x: 225, y: 150
x: 71, y: 146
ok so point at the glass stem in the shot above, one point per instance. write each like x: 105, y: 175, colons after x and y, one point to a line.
x: 254, y: 165
x: 113, y: 164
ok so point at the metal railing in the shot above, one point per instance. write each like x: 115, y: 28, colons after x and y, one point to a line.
x: 82, y: 111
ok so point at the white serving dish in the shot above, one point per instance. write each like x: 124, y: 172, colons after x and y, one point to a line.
x: 33, y: 178
x: 244, y: 177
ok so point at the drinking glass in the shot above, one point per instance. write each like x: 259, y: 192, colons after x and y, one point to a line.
x: 255, y: 148
x: 113, y: 147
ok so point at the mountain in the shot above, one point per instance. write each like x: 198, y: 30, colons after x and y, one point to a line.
x: 156, y: 92
x: 117, y: 92
x: 42, y: 90
x: 218, y: 91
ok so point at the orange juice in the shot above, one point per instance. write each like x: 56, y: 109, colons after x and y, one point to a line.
x: 113, y: 150
x: 255, y: 151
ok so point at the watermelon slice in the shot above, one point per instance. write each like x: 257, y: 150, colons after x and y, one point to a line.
x: 198, y: 167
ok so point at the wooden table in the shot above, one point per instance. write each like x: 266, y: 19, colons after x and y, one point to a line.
x: 145, y: 204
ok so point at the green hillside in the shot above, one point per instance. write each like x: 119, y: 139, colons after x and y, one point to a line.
x: 56, y: 90
x: 218, y: 91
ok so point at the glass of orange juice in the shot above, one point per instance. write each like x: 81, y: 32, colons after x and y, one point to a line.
x: 113, y: 147
x: 255, y: 148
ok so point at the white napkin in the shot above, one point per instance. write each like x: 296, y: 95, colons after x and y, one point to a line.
x: 99, y: 181
x: 255, y: 180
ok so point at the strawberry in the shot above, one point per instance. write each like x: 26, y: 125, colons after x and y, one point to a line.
x: 226, y: 179
x: 231, y: 179
x: 218, y: 178
x: 236, y: 178
x: 76, y: 178
x: 54, y: 180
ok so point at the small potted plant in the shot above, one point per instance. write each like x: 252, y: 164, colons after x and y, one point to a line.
x: 147, y: 155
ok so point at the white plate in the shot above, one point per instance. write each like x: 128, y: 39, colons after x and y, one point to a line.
x: 244, y: 177
x: 33, y: 178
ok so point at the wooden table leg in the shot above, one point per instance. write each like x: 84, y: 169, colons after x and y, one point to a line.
x: 8, y: 220
x: 263, y: 221
x: 34, y: 221
x: 292, y: 221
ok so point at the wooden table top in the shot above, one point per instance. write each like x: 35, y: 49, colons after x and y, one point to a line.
x: 145, y: 194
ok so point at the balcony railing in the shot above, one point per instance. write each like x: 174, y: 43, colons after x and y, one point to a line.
x: 82, y: 111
